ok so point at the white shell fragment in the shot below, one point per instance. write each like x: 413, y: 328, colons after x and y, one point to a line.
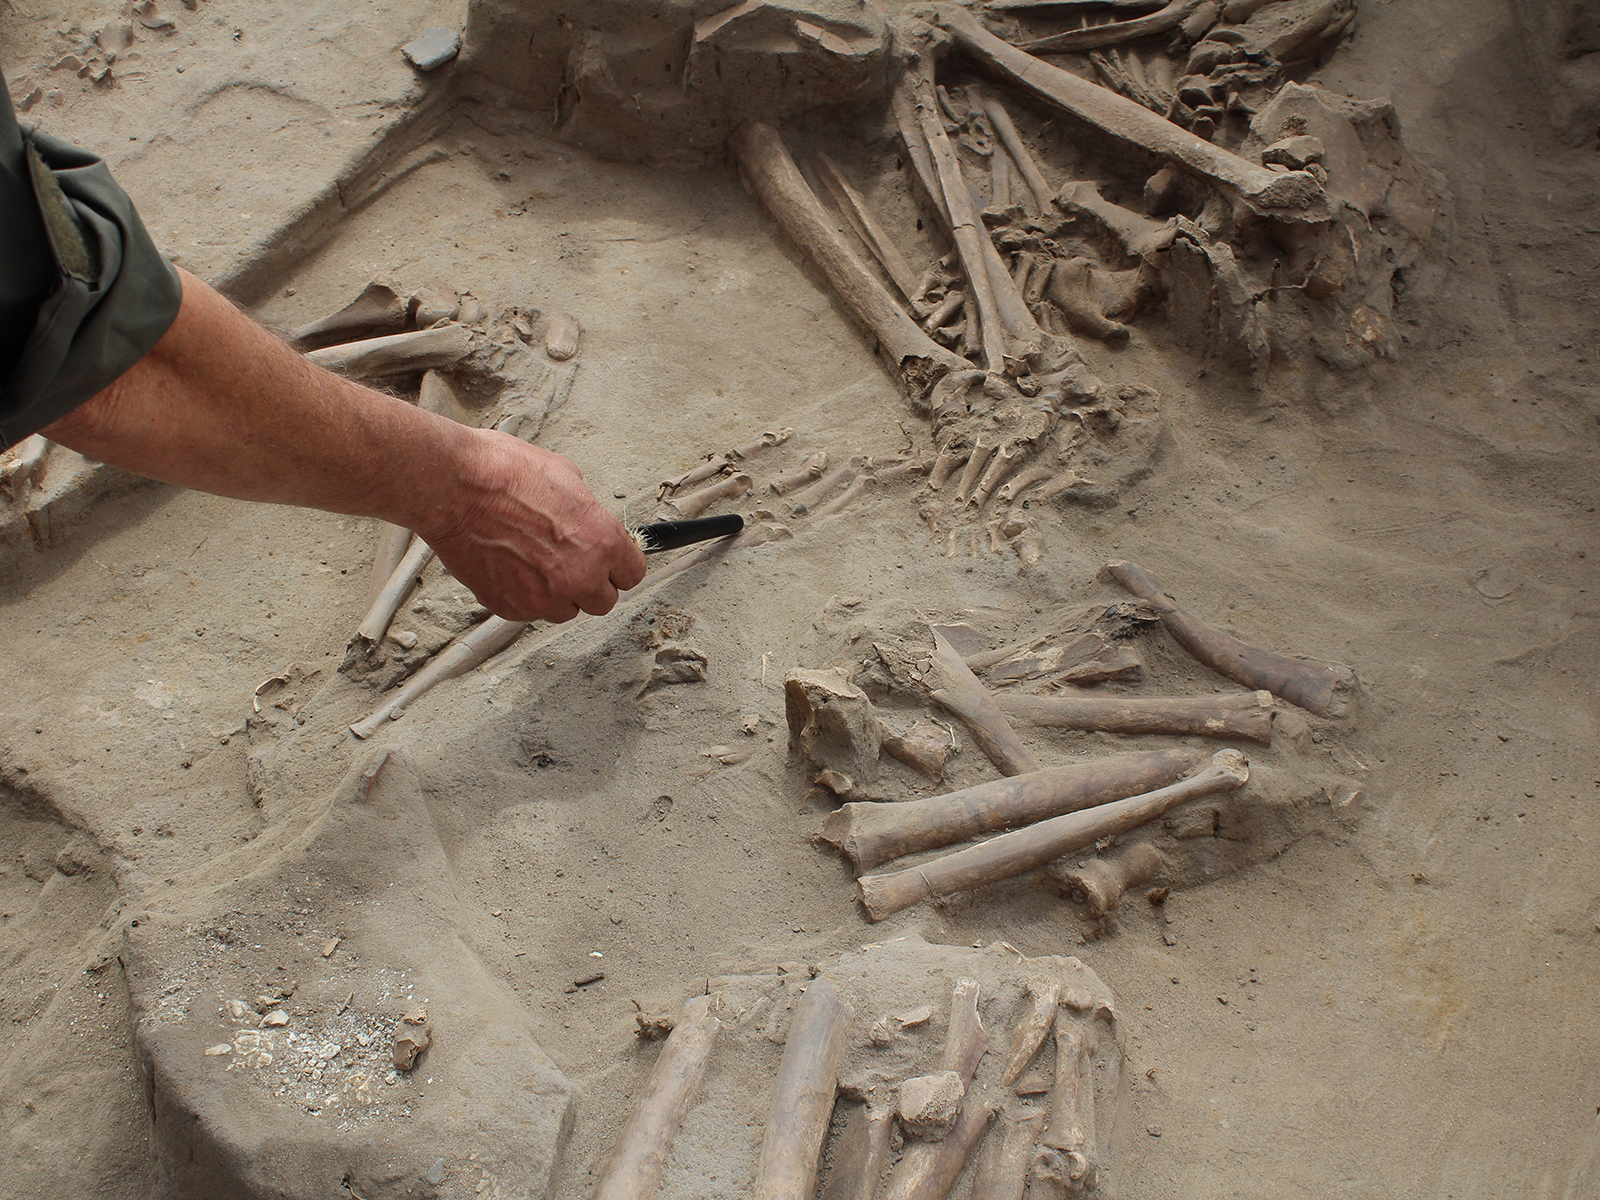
x: 219, y: 1048
x: 275, y: 1019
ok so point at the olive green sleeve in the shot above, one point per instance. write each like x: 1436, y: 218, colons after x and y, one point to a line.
x: 84, y: 292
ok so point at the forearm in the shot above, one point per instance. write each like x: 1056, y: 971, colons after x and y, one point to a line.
x: 222, y: 406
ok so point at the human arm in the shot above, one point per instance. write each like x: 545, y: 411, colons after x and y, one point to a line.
x: 222, y: 406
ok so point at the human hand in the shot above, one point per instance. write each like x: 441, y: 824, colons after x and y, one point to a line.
x: 519, y: 527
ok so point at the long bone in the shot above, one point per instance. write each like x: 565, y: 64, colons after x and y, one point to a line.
x: 718, y: 464
x: 389, y: 598
x: 802, y: 500
x: 436, y: 396
x: 1238, y: 715
x: 633, y: 1170
x: 1019, y: 152
x: 1286, y: 196
x: 966, y: 698
x: 877, y: 239
x: 872, y: 833
x: 928, y: 1170
x: 379, y: 309
x: 397, y: 353
x: 1027, y: 849
x: 858, y: 485
x: 984, y: 446
x: 1095, y: 36
x: 775, y: 179
x: 1138, y: 235
x: 802, y: 1098
x: 1070, y: 1132
x: 1314, y: 686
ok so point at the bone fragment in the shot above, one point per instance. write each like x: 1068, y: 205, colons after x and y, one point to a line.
x: 1116, y: 661
x: 1005, y: 460
x: 633, y: 1170
x: 389, y: 598
x: 1070, y: 5
x: 1072, y: 291
x: 1245, y: 715
x: 1314, y: 686
x: 941, y: 316
x: 831, y: 722
x: 860, y: 484
x: 431, y: 303
x: 1094, y: 36
x: 950, y: 457
x: 1139, y: 236
x: 460, y: 656
x: 969, y: 234
x: 1070, y: 1132
x: 1027, y: 849
x: 812, y: 471
x: 874, y: 235
x: 863, y: 1151
x: 962, y: 695
x: 1020, y: 154
x: 717, y: 464
x: 377, y: 310
x: 398, y: 353
x: 695, y: 503
x: 769, y: 439
x: 1032, y: 1029
x: 1003, y: 1167
x: 802, y: 1098
x: 928, y: 1170
x: 924, y: 747
x: 965, y: 1041
x: 871, y: 833
x: 561, y: 334
x: 23, y: 466
x: 986, y: 445
x: 775, y: 179
x: 802, y: 500
x: 1017, y: 484
x: 1102, y: 881
x: 1287, y: 196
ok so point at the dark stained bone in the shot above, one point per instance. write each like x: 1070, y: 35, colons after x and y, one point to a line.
x: 1028, y: 849
x: 1245, y: 715
x: 872, y: 833
x: 1093, y: 36
x: 1314, y: 686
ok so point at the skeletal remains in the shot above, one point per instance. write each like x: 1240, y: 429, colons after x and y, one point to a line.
x: 1029, y: 1105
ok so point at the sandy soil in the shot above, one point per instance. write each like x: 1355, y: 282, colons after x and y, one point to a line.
x: 1399, y: 1010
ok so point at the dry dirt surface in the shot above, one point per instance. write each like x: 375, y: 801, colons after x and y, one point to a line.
x: 1373, y: 974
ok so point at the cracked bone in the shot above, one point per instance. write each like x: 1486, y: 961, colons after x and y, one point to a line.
x: 389, y: 598
x: 803, y: 1093
x: 1317, y: 687
x: 949, y: 458
x: 775, y: 179
x: 928, y: 1170
x: 379, y: 309
x: 965, y: 1041
x: 831, y: 722
x: 1286, y: 196
x: 929, y: 1104
x: 1023, y: 850
x: 396, y: 354
x: 1032, y: 1029
x: 782, y: 485
x: 871, y: 833
x: 1103, y: 881
x: 1245, y: 715
x: 634, y: 1168
x: 871, y: 232
x: 924, y: 747
x: 695, y: 503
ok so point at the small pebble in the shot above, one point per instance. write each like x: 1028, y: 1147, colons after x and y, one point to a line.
x: 433, y: 49
x: 275, y: 1019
